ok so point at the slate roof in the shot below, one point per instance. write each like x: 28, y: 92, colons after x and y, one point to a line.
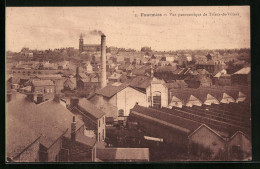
x: 50, y: 119
x: 141, y: 82
x: 178, y: 123
x: 18, y: 130
x: 91, y: 109
x: 111, y: 90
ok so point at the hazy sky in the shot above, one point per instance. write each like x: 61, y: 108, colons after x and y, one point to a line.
x: 56, y: 27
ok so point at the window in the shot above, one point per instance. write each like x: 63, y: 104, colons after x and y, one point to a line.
x: 99, y: 137
x: 120, y: 112
x: 47, y: 90
x: 157, y: 99
x: 51, y: 90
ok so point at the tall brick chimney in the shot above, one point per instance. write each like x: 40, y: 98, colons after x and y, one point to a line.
x: 73, y: 129
x: 103, y: 62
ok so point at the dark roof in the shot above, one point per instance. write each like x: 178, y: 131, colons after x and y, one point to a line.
x: 90, y: 108
x: 50, y: 118
x: 42, y: 83
x: 141, y: 82
x: 124, y: 154
x: 176, y: 84
x: 18, y: 130
x: 111, y: 90
x: 181, y: 124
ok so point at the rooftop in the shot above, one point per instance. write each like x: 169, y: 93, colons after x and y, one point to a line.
x: 90, y: 108
x: 111, y: 90
x: 245, y: 70
x: 50, y: 119
x: 42, y: 83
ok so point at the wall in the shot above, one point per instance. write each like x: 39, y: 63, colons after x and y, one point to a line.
x: 54, y: 150
x: 208, y: 139
x: 161, y: 131
x: 31, y: 154
x: 102, y: 127
x: 128, y: 97
x: 155, y: 87
x: 240, y: 140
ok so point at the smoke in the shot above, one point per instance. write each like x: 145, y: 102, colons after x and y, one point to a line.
x: 96, y: 32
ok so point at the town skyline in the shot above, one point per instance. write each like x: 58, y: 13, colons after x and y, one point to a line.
x: 59, y: 27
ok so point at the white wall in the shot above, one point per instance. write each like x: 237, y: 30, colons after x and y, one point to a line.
x: 127, y: 98
x: 158, y: 87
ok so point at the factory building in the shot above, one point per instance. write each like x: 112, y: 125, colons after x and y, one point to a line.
x: 228, y: 133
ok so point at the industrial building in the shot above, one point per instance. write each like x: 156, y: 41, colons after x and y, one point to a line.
x: 189, y: 127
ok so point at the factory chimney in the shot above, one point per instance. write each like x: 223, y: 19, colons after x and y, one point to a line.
x: 103, y: 62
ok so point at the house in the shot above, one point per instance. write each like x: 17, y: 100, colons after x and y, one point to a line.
x: 115, y: 77
x: 198, y: 81
x: 119, y: 95
x: 46, y: 132
x: 208, y: 65
x: 217, y: 76
x: 213, y: 145
x: 28, y: 141
x: 93, y: 117
x: 224, y: 79
x: 242, y: 77
x: 155, y: 90
x: 42, y: 90
x: 70, y: 84
x: 240, y: 147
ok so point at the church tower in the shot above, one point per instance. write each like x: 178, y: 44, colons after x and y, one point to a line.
x: 81, y: 44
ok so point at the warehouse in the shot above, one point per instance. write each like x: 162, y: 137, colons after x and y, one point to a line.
x: 188, y: 127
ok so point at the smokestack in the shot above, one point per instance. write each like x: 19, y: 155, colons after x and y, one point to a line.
x: 73, y: 129
x: 103, y: 61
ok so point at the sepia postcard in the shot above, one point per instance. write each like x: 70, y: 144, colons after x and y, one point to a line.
x: 128, y: 84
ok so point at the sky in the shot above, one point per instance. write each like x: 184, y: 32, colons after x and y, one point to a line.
x: 56, y: 27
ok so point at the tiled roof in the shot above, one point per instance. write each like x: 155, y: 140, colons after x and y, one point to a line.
x: 90, y: 108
